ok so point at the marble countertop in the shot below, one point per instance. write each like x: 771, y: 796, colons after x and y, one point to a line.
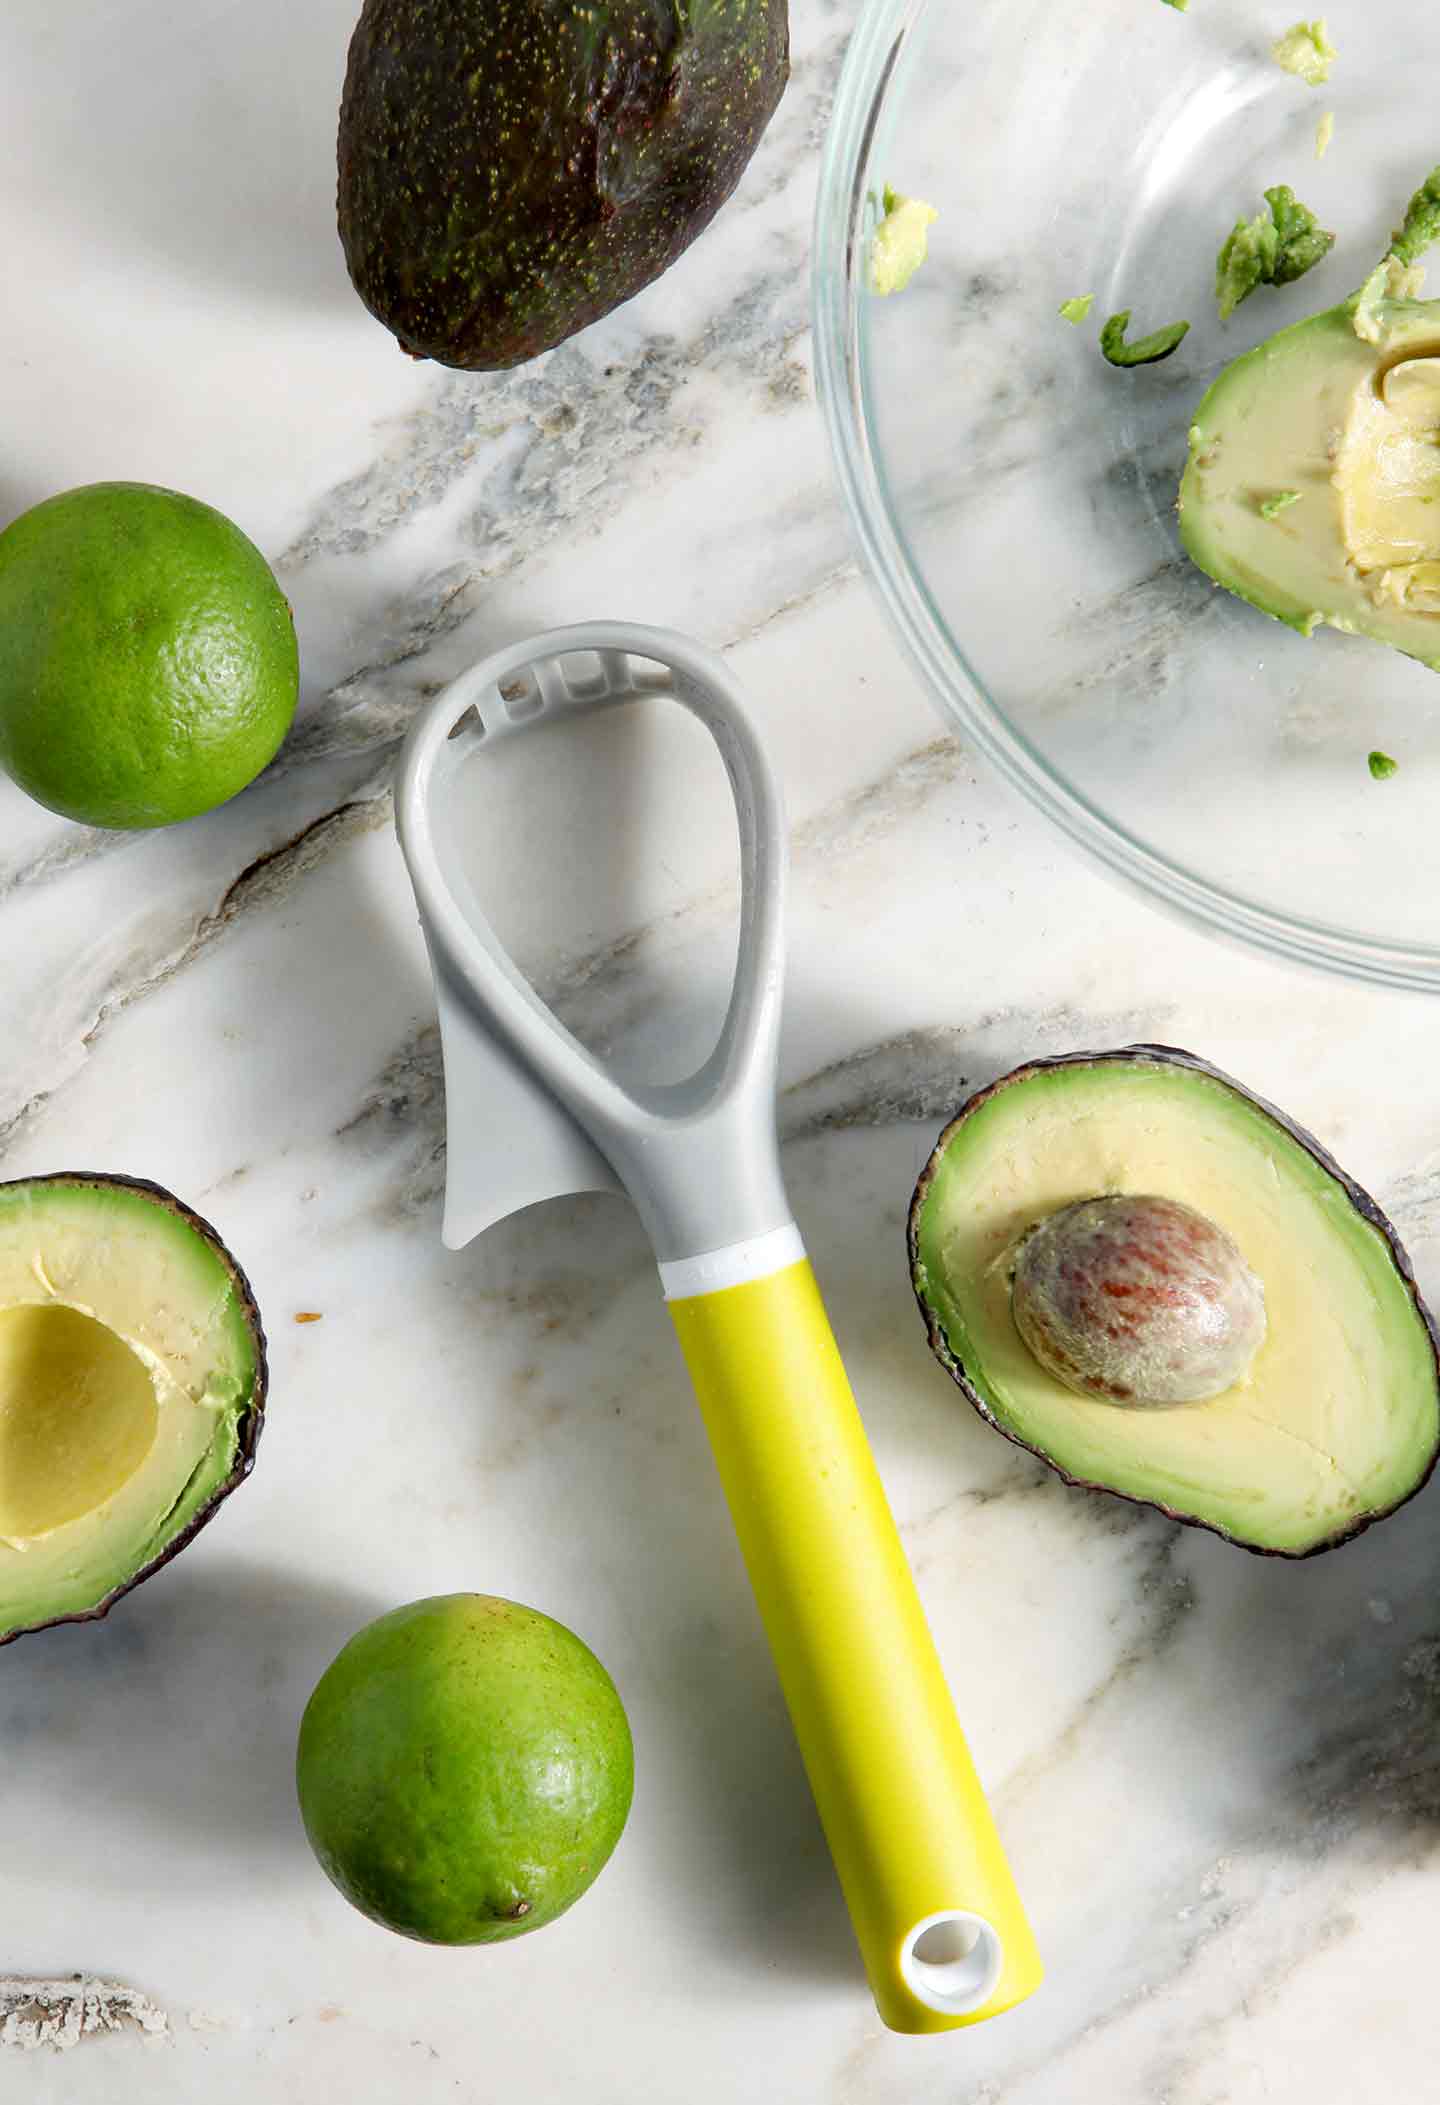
x: 1217, y: 1775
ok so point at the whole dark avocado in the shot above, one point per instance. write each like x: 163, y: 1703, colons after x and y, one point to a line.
x: 510, y: 170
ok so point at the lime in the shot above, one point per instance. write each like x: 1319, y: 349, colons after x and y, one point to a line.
x: 464, y: 1769
x: 148, y: 667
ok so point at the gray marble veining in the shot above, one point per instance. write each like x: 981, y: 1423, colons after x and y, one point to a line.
x: 1217, y: 1774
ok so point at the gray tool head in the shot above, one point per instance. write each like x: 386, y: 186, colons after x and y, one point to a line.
x: 530, y: 1112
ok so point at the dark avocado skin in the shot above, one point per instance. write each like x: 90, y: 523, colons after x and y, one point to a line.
x: 247, y: 1427
x: 1170, y: 1056
x: 510, y: 170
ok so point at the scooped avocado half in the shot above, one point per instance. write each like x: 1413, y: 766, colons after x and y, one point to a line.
x: 1349, y: 431
x: 1335, y: 1420
x: 132, y: 1383
x: 1312, y: 487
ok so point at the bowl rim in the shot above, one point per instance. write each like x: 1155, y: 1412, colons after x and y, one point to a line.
x: 839, y: 309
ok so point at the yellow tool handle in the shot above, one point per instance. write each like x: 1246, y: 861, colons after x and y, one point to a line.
x: 902, y: 1807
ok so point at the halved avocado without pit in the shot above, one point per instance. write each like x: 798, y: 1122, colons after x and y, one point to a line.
x: 1336, y: 1419
x: 1313, y: 477
x: 132, y: 1386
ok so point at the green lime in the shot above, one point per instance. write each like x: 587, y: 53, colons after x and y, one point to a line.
x: 464, y: 1769
x: 148, y: 667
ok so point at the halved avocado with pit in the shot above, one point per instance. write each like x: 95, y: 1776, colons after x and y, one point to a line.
x: 1337, y: 1420
x: 132, y: 1386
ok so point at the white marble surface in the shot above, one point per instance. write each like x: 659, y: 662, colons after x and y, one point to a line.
x: 1217, y: 1775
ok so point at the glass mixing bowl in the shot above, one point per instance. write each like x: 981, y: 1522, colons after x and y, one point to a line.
x: 1014, y: 495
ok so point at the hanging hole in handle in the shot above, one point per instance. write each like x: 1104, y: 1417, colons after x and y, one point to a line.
x: 951, y: 1962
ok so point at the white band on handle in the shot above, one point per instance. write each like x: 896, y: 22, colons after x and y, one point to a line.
x: 736, y: 1265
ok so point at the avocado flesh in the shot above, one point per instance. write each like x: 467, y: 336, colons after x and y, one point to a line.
x: 1337, y: 1421
x: 1353, y: 426
x: 510, y: 170
x: 132, y: 1379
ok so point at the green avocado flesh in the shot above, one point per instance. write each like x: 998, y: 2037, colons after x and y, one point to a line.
x: 1353, y: 428
x: 131, y: 1384
x: 510, y: 170
x: 1278, y: 246
x: 1337, y: 1420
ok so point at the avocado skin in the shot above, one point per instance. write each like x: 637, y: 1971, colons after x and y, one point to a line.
x: 248, y: 1426
x: 1167, y: 1056
x: 511, y: 170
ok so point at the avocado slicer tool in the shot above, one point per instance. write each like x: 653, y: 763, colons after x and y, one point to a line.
x: 531, y: 1113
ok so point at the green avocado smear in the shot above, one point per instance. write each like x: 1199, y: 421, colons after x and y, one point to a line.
x: 1148, y: 350
x: 1339, y: 415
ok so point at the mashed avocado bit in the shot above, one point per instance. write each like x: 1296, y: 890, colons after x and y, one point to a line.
x: 1306, y: 51
x: 900, y: 244
x: 1276, y: 247
x: 1400, y: 275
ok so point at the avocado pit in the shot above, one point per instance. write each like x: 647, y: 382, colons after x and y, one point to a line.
x: 1139, y: 1300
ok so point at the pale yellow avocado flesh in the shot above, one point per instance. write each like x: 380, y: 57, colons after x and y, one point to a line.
x: 1387, y: 478
x: 128, y: 1360
x: 1338, y: 1418
x: 900, y: 243
x: 78, y: 1415
x: 1350, y: 422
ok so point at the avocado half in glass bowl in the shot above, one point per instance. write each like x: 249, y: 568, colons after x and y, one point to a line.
x: 1015, y: 495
